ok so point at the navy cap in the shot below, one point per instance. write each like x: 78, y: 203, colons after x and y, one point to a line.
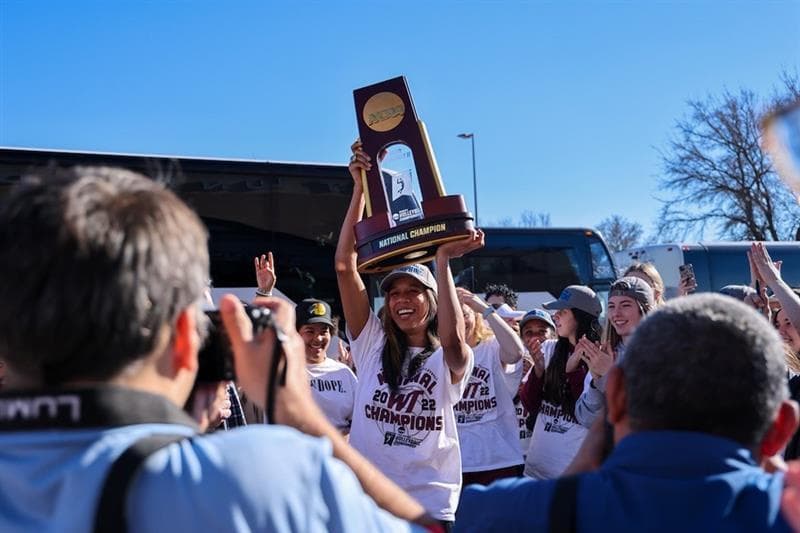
x: 312, y: 311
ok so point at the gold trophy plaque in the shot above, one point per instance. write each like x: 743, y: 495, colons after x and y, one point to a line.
x: 408, y: 212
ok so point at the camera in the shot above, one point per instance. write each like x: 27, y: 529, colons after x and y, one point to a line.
x: 216, y: 356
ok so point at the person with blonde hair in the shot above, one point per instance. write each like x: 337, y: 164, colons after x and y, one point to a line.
x: 485, y: 415
x: 649, y: 274
x: 630, y: 299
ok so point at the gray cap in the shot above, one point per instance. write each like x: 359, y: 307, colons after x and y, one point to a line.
x: 577, y: 297
x: 419, y: 272
x: 740, y: 292
x: 635, y: 288
x: 537, y: 314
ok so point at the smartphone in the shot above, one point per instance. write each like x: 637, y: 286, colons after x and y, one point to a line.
x: 687, y: 276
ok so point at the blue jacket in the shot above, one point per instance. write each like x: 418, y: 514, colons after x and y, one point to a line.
x: 653, y: 481
x: 254, y: 478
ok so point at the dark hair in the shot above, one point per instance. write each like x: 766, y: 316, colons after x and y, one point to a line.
x: 97, y: 262
x: 501, y: 289
x: 556, y: 387
x: 395, y: 347
x: 705, y: 363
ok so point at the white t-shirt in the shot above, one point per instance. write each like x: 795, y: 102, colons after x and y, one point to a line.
x: 556, y: 435
x: 410, y: 436
x: 487, y: 421
x: 333, y: 386
x: 522, y: 424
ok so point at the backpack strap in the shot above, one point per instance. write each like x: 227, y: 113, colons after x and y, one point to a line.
x: 110, y: 515
x: 563, y: 513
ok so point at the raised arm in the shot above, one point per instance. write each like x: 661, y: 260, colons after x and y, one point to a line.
x: 451, y: 319
x: 769, y: 274
x: 265, y: 274
x: 352, y: 291
x: 511, y: 347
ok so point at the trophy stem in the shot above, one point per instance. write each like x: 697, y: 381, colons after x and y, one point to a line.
x: 365, y: 186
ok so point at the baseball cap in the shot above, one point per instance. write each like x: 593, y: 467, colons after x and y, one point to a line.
x: 505, y: 311
x: 740, y: 292
x: 419, y: 272
x: 578, y: 297
x: 537, y: 314
x: 635, y: 288
x: 313, y: 311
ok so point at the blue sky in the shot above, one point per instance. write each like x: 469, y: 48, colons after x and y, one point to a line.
x: 569, y: 101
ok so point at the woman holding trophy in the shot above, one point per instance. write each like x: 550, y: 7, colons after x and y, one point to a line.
x: 413, y: 363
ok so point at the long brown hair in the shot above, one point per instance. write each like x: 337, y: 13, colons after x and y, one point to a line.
x: 395, y: 347
x: 612, y: 336
x: 556, y: 387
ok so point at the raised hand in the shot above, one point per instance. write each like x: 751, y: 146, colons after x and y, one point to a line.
x: 265, y: 273
x: 766, y: 270
x: 359, y: 162
x: 471, y: 300
x: 457, y: 248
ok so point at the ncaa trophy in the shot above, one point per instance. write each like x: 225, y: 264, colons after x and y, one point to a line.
x: 399, y: 227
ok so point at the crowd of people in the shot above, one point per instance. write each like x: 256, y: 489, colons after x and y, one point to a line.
x: 442, y: 410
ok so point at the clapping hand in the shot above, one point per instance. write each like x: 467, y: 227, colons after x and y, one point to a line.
x: 534, y: 346
x: 598, y: 359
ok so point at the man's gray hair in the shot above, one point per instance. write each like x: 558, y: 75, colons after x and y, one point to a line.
x: 705, y: 363
x: 95, y: 262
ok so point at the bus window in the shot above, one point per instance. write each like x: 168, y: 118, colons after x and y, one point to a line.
x: 602, y: 267
x: 536, y: 263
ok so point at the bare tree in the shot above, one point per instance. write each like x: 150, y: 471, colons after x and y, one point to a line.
x: 505, y: 222
x: 529, y: 219
x: 620, y: 233
x: 717, y: 176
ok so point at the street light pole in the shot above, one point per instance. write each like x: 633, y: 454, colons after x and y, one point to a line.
x: 471, y: 137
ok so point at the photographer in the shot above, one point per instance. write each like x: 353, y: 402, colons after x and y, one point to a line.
x: 103, y: 271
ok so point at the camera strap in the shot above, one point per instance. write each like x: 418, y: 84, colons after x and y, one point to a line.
x: 104, y: 406
x: 95, y: 407
x: 110, y: 516
x: 563, y: 512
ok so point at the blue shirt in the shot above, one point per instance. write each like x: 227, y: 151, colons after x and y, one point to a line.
x: 254, y: 478
x: 652, y: 481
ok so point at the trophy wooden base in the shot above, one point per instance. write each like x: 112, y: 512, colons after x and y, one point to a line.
x: 380, y: 249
